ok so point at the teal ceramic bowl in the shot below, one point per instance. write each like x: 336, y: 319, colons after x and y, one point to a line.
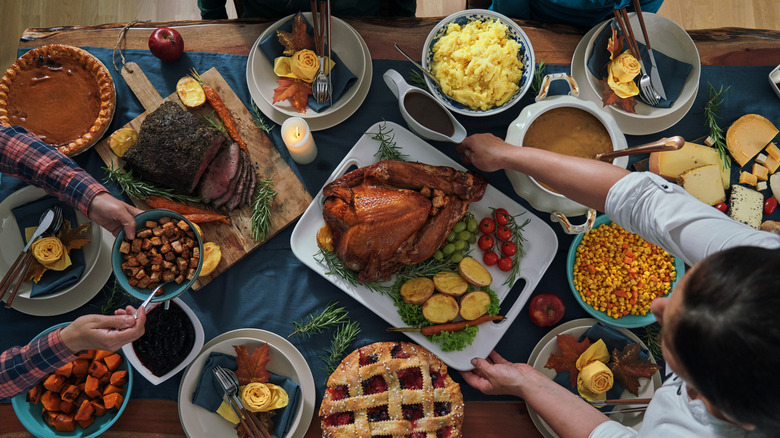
x: 172, y: 289
x: 31, y: 417
x: 628, y: 321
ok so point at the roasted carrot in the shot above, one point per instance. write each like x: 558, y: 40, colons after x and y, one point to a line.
x: 457, y: 326
x: 200, y: 218
x: 219, y: 106
x: 158, y: 202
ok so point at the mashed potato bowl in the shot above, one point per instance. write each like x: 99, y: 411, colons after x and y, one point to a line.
x: 478, y: 74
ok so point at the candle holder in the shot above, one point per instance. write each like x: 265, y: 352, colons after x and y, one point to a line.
x: 297, y: 137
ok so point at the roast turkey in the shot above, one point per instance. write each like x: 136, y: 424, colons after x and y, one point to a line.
x: 395, y: 213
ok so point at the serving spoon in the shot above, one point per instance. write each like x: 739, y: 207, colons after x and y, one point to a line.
x: 664, y: 144
x: 149, y: 299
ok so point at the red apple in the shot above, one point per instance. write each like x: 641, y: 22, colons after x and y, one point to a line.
x: 546, y: 310
x: 166, y: 44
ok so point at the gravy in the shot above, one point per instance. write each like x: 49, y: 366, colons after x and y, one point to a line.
x: 568, y: 131
x: 428, y: 113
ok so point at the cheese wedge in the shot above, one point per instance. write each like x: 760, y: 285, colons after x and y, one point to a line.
x: 772, y: 164
x: 704, y: 183
x: 748, y: 136
x: 746, y: 205
x: 748, y: 178
x: 671, y: 164
x: 760, y: 172
x: 773, y: 151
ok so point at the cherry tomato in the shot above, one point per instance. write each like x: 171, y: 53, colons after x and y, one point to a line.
x: 508, y: 249
x: 485, y: 242
x: 722, y: 207
x: 504, y: 233
x: 505, y: 264
x: 490, y: 258
x: 502, y: 216
x: 769, y: 205
x: 487, y: 226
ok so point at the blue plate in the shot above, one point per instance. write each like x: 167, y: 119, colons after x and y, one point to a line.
x: 628, y: 321
x: 31, y: 417
x: 172, y: 290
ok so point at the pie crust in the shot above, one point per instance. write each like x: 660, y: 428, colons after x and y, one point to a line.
x: 62, y: 94
x: 392, y: 389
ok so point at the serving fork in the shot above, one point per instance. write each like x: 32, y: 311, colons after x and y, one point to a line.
x: 229, y: 382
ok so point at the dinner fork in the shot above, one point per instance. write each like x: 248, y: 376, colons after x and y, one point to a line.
x: 229, y: 382
x: 645, y: 85
x: 321, y: 86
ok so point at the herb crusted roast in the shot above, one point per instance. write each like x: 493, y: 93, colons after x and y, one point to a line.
x: 395, y: 213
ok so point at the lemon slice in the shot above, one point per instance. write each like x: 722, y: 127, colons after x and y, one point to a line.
x: 190, y: 92
x: 212, y: 254
x: 121, y: 140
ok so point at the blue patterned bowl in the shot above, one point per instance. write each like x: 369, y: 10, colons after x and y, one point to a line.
x: 515, y: 32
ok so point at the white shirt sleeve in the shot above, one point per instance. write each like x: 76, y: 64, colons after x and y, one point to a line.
x: 666, y: 215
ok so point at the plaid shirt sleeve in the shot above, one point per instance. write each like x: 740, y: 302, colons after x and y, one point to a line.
x: 26, y: 157
x: 21, y: 368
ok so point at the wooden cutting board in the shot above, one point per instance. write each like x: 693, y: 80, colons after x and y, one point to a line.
x: 234, y: 240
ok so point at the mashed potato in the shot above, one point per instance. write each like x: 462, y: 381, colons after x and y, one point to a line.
x: 478, y: 64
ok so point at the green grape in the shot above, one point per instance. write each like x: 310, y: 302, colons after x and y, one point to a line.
x: 452, y: 237
x: 464, y: 235
x: 456, y: 258
x: 448, y: 249
x: 473, y: 239
x: 460, y: 226
x: 472, y: 225
x: 438, y: 255
x: 460, y: 245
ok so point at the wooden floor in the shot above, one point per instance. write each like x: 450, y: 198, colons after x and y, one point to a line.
x: 17, y: 15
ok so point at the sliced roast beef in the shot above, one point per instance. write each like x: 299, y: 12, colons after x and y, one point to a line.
x: 173, y: 148
x: 220, y: 173
x: 222, y: 200
x: 238, y: 193
x: 250, y: 192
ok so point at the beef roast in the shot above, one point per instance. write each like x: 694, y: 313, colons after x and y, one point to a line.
x: 220, y: 174
x: 238, y: 194
x: 232, y: 184
x: 173, y: 148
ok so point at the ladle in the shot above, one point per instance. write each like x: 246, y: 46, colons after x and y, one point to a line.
x: 664, y: 144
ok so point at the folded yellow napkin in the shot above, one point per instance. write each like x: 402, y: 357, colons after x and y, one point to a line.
x: 622, y: 71
x: 594, y: 381
x: 256, y: 397
x: 51, y: 253
x: 303, y: 65
x: 596, y: 352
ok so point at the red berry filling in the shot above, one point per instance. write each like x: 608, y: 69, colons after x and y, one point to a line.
x: 378, y: 413
x: 410, y: 378
x: 398, y: 353
x: 438, y: 379
x: 418, y: 435
x: 339, y: 392
x: 367, y: 360
x: 340, y: 419
x: 412, y: 412
x: 444, y: 433
x: 374, y: 385
x: 441, y: 409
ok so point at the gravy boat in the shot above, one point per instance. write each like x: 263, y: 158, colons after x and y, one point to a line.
x: 434, y: 114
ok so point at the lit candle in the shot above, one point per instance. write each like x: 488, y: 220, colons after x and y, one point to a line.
x: 297, y: 137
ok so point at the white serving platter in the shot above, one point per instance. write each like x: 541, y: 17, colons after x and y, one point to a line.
x: 540, y: 245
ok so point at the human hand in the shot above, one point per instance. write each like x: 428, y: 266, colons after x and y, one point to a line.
x: 486, y: 151
x: 103, y: 332
x: 113, y: 214
x: 496, y: 375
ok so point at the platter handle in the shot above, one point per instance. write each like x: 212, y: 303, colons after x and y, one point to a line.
x: 548, y: 80
x: 569, y: 228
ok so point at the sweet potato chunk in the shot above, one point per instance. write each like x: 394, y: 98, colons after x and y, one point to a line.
x: 119, y: 378
x: 111, y: 389
x: 113, y: 361
x: 65, y: 423
x: 84, y: 412
x: 92, y: 387
x: 70, y: 393
x: 67, y: 407
x: 102, y: 354
x: 97, y: 369
x: 85, y: 423
x: 80, y: 367
x: 99, y: 408
x: 113, y: 400
x: 35, y: 394
x: 65, y: 370
x: 51, y: 401
x: 54, y: 383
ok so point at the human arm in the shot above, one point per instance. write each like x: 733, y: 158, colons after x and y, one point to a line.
x: 21, y: 368
x: 113, y: 214
x: 582, y: 180
x: 566, y: 413
x: 102, y: 332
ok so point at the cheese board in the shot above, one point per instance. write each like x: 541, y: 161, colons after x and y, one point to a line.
x: 235, y: 239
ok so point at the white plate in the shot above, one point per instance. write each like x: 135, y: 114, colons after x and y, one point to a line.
x: 549, y: 344
x: 627, y: 124
x: 261, y: 80
x: 540, y: 246
x: 129, y: 351
x: 285, y: 360
x: 96, y: 271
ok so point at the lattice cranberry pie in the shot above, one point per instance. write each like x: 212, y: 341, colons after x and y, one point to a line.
x: 392, y: 389
x: 62, y: 94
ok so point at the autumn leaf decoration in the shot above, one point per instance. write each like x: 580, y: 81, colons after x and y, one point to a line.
x: 296, y: 90
x: 251, y: 367
x: 298, y: 39
x: 567, y: 359
x: 628, y: 368
x: 608, y: 96
x: 71, y: 238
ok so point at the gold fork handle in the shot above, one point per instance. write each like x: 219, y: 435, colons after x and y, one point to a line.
x: 25, y: 266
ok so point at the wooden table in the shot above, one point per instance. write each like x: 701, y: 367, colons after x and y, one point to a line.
x: 552, y: 43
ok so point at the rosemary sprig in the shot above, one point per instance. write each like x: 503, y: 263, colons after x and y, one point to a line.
x: 536, y: 85
x: 261, y: 208
x: 714, y: 99
x: 140, y: 189
x: 517, y: 233
x: 114, y: 298
x: 313, y: 324
x: 427, y: 268
x: 652, y: 338
x: 260, y: 121
x: 215, y: 122
x: 336, y: 267
x: 388, y: 149
x: 416, y: 78
x: 342, y: 339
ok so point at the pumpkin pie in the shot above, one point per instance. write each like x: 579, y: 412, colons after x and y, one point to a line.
x: 62, y: 94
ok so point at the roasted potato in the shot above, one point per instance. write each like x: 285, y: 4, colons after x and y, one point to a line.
x: 450, y: 283
x: 440, y: 308
x: 121, y: 140
x: 417, y: 290
x: 474, y: 304
x: 474, y: 273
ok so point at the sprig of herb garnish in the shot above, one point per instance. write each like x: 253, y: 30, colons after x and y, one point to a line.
x: 517, y: 233
x: 261, y: 208
x: 388, y: 149
x: 342, y: 339
x: 416, y: 78
x: 714, y: 100
x: 495, y: 304
x: 114, y: 298
x: 140, y: 189
x: 336, y: 267
x: 260, y: 121
x: 215, y: 122
x: 536, y: 85
x: 455, y: 341
x: 331, y: 316
x: 652, y: 338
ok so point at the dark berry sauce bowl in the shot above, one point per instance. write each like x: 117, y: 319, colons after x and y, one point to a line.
x: 172, y: 340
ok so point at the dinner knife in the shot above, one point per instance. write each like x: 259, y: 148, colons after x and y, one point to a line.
x: 655, y: 76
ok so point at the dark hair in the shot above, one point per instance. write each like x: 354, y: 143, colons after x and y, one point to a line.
x: 727, y: 337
